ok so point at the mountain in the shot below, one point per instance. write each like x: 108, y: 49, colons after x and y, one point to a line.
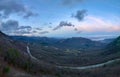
x: 10, y: 54
x: 113, y: 47
x: 41, y: 40
x: 78, y: 43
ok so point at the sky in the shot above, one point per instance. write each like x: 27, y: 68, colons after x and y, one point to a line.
x: 60, y: 18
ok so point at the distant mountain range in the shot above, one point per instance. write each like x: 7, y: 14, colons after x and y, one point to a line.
x: 41, y: 40
x: 79, y: 43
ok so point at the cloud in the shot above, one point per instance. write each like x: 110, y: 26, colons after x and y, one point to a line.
x: 44, y: 32
x: 97, y: 24
x: 25, y: 27
x: 38, y: 28
x: 22, y: 32
x: 9, y: 25
x: 76, y: 29
x: 12, y: 27
x: 62, y: 24
x: 34, y: 31
x: 29, y: 14
x: 71, y: 2
x: 94, y: 25
x: 80, y: 14
x: 8, y: 7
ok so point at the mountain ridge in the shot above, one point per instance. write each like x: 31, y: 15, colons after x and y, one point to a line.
x: 64, y: 43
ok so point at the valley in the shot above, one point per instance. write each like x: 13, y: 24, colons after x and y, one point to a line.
x: 53, y: 60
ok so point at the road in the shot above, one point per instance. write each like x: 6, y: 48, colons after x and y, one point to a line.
x: 91, y: 66
x: 78, y: 68
x: 29, y: 53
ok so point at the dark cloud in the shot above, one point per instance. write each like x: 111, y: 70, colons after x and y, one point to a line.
x: 8, y: 7
x: 71, y: 2
x: 25, y: 27
x: 76, y: 29
x: 80, y: 15
x: 13, y: 27
x: 9, y: 25
x: 34, y: 31
x: 62, y: 24
x: 38, y: 28
x: 44, y: 32
x: 22, y: 32
x: 29, y: 14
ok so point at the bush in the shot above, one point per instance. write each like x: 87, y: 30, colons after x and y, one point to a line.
x: 6, y: 70
x: 12, y: 55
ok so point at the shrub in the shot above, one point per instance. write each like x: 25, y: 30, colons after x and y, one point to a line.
x: 12, y: 55
x: 6, y: 70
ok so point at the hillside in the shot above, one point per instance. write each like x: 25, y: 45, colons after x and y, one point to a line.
x: 11, y: 55
x: 113, y: 47
x: 14, y: 53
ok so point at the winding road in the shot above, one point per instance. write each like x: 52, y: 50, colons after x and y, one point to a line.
x: 91, y: 66
x: 78, y: 68
x: 29, y: 53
